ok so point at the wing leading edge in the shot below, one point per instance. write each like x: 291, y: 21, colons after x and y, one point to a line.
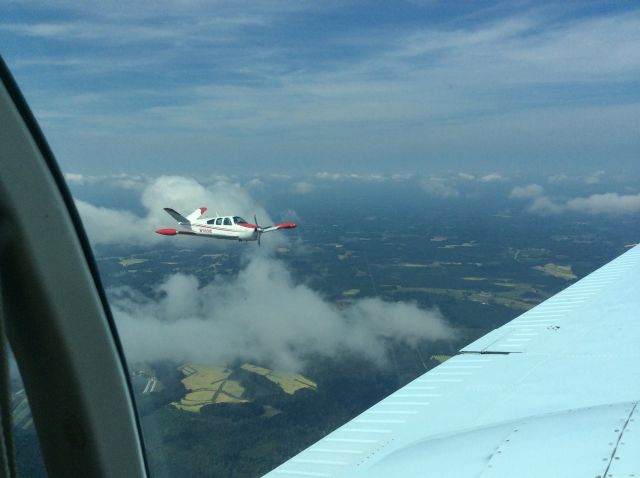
x: 551, y: 393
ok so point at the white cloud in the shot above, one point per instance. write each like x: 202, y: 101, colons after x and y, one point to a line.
x: 606, y: 204
x: 527, y: 192
x: 436, y: 187
x: 492, y: 177
x: 590, y: 179
x: 79, y: 179
x: 610, y: 203
x: 255, y: 183
x: 593, y: 178
x: 262, y: 316
x: 114, y: 226
x: 325, y: 175
x: 545, y: 207
x: 366, y: 177
x: 558, y: 178
x: 122, y: 181
x: 303, y: 187
x: 402, y: 176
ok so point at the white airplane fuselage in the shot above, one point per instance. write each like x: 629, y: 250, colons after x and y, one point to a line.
x: 223, y: 228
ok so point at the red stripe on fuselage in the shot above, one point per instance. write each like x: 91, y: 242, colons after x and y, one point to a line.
x: 214, y: 228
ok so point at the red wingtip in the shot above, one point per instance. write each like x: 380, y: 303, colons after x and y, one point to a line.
x: 287, y: 225
x: 167, y: 232
x: 203, y: 210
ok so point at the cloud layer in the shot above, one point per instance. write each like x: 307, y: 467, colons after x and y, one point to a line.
x: 606, y: 204
x: 262, y: 316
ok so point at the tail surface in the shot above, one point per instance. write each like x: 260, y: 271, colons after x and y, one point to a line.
x: 177, y: 216
x: 196, y: 214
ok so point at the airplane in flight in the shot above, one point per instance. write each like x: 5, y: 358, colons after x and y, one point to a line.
x: 554, y: 392
x: 219, y: 227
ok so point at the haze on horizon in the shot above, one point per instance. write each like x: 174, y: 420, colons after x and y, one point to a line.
x: 202, y: 88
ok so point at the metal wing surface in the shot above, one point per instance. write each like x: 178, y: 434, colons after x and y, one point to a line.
x: 554, y: 392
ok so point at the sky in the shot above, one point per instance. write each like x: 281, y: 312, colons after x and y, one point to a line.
x: 302, y: 88
x: 187, y: 104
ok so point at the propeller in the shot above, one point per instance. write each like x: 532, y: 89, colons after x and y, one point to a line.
x: 258, y: 229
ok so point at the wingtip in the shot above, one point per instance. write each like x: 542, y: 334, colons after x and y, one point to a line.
x: 287, y: 225
x: 167, y: 232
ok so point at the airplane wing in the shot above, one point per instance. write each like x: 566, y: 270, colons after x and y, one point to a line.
x: 553, y: 393
x: 284, y: 225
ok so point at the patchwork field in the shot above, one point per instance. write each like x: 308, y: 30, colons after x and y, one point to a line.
x: 517, y: 296
x: 290, y: 383
x: 209, y: 385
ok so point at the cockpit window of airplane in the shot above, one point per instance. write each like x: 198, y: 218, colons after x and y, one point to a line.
x: 414, y: 176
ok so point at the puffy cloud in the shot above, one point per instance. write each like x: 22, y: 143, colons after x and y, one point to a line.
x: 593, y: 178
x: 79, y: 179
x: 545, y: 207
x: 122, y: 181
x: 402, y: 176
x: 436, y: 187
x: 590, y: 179
x: 113, y: 226
x: 262, y: 315
x: 255, y: 183
x: 303, y: 187
x: 558, y: 178
x: 492, y: 177
x: 368, y: 177
x: 609, y: 203
x: 527, y: 192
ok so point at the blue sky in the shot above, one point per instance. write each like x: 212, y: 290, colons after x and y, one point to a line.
x: 246, y: 88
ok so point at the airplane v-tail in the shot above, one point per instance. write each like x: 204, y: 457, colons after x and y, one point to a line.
x: 219, y: 227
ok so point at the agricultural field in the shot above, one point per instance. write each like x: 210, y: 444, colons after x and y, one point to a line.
x: 516, y: 296
x: 289, y: 383
x: 132, y: 261
x: 207, y: 386
x: 210, y: 385
x: 554, y: 270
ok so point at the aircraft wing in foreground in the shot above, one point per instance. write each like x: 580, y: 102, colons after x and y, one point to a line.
x: 553, y: 393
